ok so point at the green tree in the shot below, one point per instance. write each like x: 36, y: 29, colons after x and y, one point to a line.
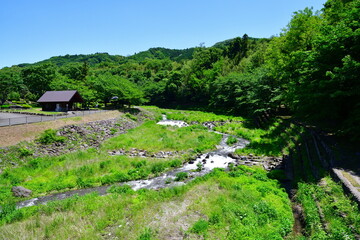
x: 38, y: 78
x: 10, y: 81
x: 108, y: 86
x: 75, y: 71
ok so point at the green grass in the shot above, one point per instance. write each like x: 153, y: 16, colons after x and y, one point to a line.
x: 328, y: 212
x: 273, y: 141
x: 33, y: 110
x: 153, y: 137
x: 50, y: 136
x: 231, y: 140
x: 341, y: 215
x: 242, y: 204
x: 192, y: 116
x: 93, y: 167
x: 181, y: 176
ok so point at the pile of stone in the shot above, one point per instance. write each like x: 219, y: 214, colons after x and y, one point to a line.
x: 212, y: 124
x: 268, y: 163
x: 84, y: 136
x: 273, y: 163
x: 19, y: 191
x: 143, y: 153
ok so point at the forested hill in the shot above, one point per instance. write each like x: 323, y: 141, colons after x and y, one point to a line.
x: 91, y: 59
x: 96, y: 58
x: 311, y: 69
x: 229, y: 42
x: 164, y: 53
x: 160, y: 53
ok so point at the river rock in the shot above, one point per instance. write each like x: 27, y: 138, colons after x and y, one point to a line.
x: 233, y: 156
x: 19, y: 191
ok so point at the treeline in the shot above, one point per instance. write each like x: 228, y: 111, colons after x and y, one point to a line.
x: 311, y: 69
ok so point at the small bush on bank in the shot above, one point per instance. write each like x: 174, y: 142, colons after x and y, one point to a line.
x: 26, y: 106
x: 231, y: 140
x: 24, y: 152
x: 49, y: 136
x: 181, y: 176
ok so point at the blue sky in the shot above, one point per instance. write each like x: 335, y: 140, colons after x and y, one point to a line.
x: 34, y: 30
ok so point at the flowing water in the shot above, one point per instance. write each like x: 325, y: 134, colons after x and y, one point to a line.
x: 202, y: 165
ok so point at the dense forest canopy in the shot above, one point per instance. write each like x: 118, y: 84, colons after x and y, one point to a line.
x: 311, y: 69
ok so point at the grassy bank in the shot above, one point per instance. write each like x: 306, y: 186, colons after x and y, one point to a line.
x: 274, y: 139
x: 191, y: 116
x: 242, y: 204
x: 328, y: 212
x: 94, y: 167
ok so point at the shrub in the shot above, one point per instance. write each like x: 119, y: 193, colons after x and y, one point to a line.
x: 13, y: 178
x: 157, y: 167
x: 120, y: 189
x: 107, y: 179
x: 27, y: 106
x: 277, y: 174
x: 231, y: 140
x: 175, y: 163
x: 138, y: 164
x: 146, y: 235
x: 181, y: 176
x: 6, y: 210
x: 103, y: 164
x: 137, y: 174
x: 9, y: 213
x: 132, y: 117
x: 200, y: 226
x: 34, y: 163
x: 121, y: 177
x: 81, y: 183
x: 265, y: 210
x: 14, y: 96
x: 49, y: 136
x: 215, y: 218
x: 113, y: 131
x: 24, y: 152
x: 84, y: 171
x: 199, y: 167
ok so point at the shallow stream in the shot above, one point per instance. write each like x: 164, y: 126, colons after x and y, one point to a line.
x: 200, y: 166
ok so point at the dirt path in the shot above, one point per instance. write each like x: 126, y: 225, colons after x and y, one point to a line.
x: 14, y: 134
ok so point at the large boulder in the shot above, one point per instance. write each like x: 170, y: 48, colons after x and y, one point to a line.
x: 19, y: 191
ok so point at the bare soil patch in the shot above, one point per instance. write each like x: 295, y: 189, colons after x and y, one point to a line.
x: 14, y: 134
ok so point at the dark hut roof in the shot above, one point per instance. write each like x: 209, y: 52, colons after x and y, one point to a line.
x: 60, y: 96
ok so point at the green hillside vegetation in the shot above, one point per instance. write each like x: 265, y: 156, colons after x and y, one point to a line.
x: 91, y: 59
x: 163, y: 53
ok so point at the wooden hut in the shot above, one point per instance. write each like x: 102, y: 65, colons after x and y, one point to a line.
x: 59, y: 101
